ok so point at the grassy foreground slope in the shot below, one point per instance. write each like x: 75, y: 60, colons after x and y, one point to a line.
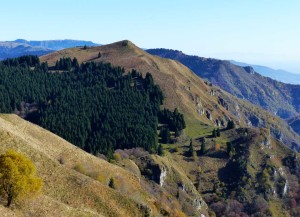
x: 67, y: 192
x: 79, y: 184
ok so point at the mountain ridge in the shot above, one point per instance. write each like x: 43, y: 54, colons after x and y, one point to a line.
x: 279, y: 98
x: 276, y: 74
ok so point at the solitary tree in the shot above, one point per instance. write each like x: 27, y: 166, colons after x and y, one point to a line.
x: 218, y: 133
x: 191, y: 149
x: 111, y: 183
x: 230, y: 125
x: 203, y: 147
x: 214, y: 133
x: 18, y: 177
x: 230, y: 149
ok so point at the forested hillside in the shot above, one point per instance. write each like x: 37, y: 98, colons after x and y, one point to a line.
x: 95, y: 106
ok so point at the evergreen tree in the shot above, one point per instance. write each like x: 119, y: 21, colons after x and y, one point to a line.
x: 174, y: 119
x: 160, y: 150
x: 230, y: 149
x: 214, y: 133
x: 218, y: 133
x: 165, y: 135
x: 203, y: 147
x: 191, y: 149
x: 111, y: 183
x: 230, y: 125
x: 75, y: 63
x: 176, y: 133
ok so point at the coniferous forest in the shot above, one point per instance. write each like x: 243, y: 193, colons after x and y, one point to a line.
x: 97, y: 107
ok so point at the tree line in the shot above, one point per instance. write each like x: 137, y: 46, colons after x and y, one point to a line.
x: 97, y: 107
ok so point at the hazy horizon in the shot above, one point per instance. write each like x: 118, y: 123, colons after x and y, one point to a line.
x: 255, y: 32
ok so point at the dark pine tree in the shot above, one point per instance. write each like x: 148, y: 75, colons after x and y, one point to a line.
x: 203, y: 147
x: 165, y: 135
x: 230, y: 125
x: 214, y: 133
x: 191, y: 149
x: 160, y: 150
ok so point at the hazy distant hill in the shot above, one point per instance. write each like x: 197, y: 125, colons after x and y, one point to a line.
x: 56, y: 44
x: 20, y: 47
x: 279, y: 74
x: 14, y: 49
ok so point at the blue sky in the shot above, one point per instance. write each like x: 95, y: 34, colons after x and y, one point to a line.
x: 265, y: 32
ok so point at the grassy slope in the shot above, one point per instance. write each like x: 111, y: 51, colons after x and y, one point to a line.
x: 67, y: 192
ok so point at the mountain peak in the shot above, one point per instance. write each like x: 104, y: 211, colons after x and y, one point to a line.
x: 125, y: 43
x: 23, y: 41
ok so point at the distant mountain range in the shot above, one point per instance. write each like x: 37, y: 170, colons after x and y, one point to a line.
x: 57, y: 44
x: 276, y: 74
x: 19, y: 47
x: 244, y: 82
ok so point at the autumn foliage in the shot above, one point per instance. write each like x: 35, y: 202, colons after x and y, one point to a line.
x: 18, y: 178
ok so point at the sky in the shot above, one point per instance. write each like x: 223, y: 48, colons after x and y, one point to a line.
x: 264, y: 32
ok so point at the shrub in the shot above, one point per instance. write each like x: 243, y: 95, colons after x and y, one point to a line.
x: 80, y: 168
x: 176, y: 149
x: 111, y: 183
x: 217, y: 147
x: 61, y: 160
x: 101, y: 178
x: 117, y: 157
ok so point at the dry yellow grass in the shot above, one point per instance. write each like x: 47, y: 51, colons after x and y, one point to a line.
x: 67, y: 192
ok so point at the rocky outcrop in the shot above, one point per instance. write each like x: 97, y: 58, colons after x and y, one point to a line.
x: 208, y: 115
x: 199, y: 107
x: 249, y: 69
x: 163, y: 175
x: 255, y: 121
x: 217, y: 123
x: 223, y: 103
x: 200, y: 111
x: 171, y: 179
x: 285, y: 189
